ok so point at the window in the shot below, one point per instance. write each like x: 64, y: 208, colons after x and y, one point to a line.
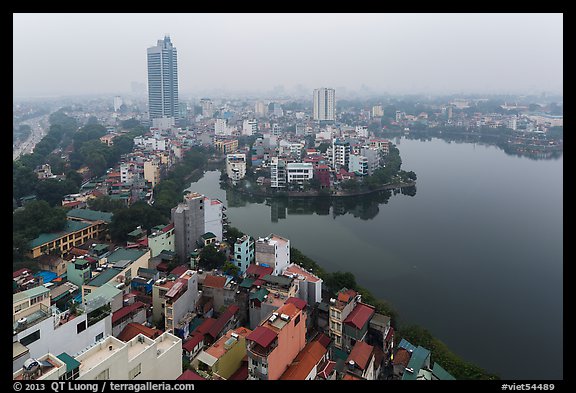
x: 135, y: 371
x: 80, y: 327
x: 99, y: 337
x: 104, y: 375
x: 297, y: 320
x: 29, y: 339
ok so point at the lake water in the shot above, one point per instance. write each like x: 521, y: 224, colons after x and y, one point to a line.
x: 475, y: 256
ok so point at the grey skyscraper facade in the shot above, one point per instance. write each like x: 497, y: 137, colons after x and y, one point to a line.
x: 163, y: 80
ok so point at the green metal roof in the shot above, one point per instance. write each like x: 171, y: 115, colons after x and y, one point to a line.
x: 247, y: 283
x: 279, y: 280
x: 136, y: 232
x: 100, y: 247
x: 208, y: 235
x: 32, y: 292
x: 71, y: 227
x: 71, y: 363
x: 90, y: 215
x: 259, y: 294
x: 103, y: 278
x: 105, y: 291
x: 441, y: 374
x: 124, y: 253
x: 416, y: 362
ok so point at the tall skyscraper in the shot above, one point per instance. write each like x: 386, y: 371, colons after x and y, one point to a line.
x: 324, y: 104
x: 163, y: 81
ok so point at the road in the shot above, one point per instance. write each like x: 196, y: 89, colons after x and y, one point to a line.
x: 39, y: 126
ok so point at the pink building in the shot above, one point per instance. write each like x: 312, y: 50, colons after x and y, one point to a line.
x: 274, y: 344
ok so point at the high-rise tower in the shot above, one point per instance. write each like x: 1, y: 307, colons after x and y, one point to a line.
x: 163, y: 80
x: 324, y: 104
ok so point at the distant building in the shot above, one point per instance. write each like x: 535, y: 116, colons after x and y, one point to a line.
x: 299, y: 172
x: 377, y: 111
x: 117, y: 103
x: 236, y: 166
x: 249, y: 127
x: 260, y: 109
x: 277, y: 173
x: 324, y: 108
x: 340, y: 153
x: 163, y: 80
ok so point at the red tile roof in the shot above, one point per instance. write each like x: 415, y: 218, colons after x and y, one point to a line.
x: 361, y: 354
x: 222, y: 320
x: 262, y: 336
x: 20, y: 271
x: 190, y: 375
x: 162, y: 266
x: 323, y: 339
x: 168, y: 227
x: 305, y: 361
x: 360, y: 316
x: 402, y: 357
x: 214, y: 281
x: 327, y: 369
x: 346, y: 295
x: 299, y: 303
x: 133, y: 329
x: 179, y: 270
x: 204, y: 326
x: 259, y: 270
x: 124, y: 311
x: 194, y: 340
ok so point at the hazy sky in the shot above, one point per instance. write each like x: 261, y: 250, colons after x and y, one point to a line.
x: 65, y: 54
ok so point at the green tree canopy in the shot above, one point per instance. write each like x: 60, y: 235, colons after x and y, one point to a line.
x: 53, y: 190
x: 211, y: 258
x: 38, y: 217
x: 125, y: 220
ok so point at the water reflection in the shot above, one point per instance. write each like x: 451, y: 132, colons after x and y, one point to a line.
x: 365, y: 207
x: 535, y: 147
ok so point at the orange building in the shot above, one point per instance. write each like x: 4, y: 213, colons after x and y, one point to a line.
x: 274, y: 344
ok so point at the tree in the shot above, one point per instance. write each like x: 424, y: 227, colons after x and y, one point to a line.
x: 106, y: 204
x: 231, y: 269
x: 139, y: 214
x: 315, y: 183
x: 38, y: 217
x: 322, y: 147
x: 24, y: 180
x: 211, y: 258
x: 338, y: 280
x: 233, y: 234
x: 53, y: 190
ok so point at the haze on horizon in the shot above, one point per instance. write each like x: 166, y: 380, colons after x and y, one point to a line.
x: 103, y: 53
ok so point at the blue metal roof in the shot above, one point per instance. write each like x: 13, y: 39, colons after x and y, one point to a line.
x: 406, y: 345
x: 46, y: 275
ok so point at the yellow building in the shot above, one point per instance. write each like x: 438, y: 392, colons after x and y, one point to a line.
x: 226, y: 145
x: 225, y: 356
x: 74, y: 234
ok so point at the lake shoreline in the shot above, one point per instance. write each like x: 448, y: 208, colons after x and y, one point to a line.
x: 317, y: 194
